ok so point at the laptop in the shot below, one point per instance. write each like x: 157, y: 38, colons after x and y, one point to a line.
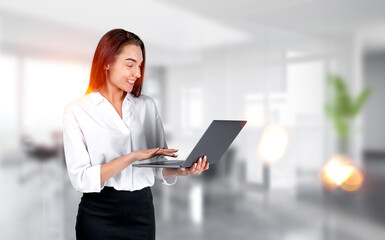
x: 213, y: 144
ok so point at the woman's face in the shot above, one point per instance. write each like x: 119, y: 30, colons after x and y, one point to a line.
x: 124, y: 70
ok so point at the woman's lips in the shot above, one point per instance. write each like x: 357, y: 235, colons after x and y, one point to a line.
x: 131, y: 82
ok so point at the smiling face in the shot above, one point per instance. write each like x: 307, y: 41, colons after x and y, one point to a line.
x: 124, y: 71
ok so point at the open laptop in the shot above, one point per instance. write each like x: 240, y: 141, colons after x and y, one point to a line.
x: 213, y: 144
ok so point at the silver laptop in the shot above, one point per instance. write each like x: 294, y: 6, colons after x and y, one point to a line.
x: 213, y: 144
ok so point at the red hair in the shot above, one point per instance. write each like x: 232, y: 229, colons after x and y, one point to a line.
x: 108, y: 47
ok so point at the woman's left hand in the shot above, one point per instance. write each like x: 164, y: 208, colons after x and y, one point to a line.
x: 197, y: 168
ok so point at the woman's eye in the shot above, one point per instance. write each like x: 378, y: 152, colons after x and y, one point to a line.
x: 130, y: 66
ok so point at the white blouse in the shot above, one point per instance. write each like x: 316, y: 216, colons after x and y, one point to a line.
x: 94, y: 134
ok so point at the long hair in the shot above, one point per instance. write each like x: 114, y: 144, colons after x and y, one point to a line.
x: 108, y: 47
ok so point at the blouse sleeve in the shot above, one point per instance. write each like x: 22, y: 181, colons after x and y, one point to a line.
x: 83, y: 176
x: 161, y: 142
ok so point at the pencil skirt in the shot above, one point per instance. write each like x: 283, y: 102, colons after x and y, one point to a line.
x: 113, y: 214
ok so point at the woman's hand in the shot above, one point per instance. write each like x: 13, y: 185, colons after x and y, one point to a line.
x: 110, y: 169
x: 197, y: 168
x: 140, y: 155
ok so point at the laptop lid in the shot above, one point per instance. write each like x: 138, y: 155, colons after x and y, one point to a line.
x: 215, y: 141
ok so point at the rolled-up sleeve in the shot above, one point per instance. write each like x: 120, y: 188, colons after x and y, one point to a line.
x: 161, y: 142
x: 83, y: 176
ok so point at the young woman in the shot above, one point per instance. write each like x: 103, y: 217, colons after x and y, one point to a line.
x: 107, y: 130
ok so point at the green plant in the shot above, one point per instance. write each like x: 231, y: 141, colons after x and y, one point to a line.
x: 341, y: 107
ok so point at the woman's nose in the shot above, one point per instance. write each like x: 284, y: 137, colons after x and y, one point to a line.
x: 137, y: 72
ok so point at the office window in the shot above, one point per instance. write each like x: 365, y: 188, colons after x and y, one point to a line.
x: 255, y: 111
x: 305, y: 81
x: 192, y: 107
x: 48, y: 87
x: 8, y: 102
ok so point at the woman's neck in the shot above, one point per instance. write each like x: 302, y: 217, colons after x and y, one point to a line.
x: 113, y: 95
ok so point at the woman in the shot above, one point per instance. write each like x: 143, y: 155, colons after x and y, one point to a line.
x: 107, y: 130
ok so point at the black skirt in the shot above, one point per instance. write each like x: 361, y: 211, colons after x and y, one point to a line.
x: 113, y: 214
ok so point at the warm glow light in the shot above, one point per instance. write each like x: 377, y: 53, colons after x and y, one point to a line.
x: 354, y: 182
x: 273, y: 143
x: 340, y: 172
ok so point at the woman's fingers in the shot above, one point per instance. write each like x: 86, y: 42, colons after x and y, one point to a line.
x: 172, y: 152
x: 199, y: 165
x: 207, y: 166
x: 152, y: 152
x: 168, y: 152
x: 194, y: 167
x: 140, y: 155
x: 203, y: 163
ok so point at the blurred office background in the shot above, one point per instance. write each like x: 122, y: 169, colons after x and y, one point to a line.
x: 265, y: 61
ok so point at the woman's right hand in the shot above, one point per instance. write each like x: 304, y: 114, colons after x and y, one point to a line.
x: 140, y: 155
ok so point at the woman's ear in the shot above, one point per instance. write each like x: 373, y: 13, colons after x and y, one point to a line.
x: 106, y: 67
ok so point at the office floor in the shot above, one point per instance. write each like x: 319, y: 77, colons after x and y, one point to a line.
x: 255, y: 214
x: 227, y: 212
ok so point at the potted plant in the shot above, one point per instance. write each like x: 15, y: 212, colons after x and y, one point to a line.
x: 341, y: 107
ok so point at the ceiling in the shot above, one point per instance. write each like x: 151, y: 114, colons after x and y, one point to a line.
x: 317, y: 17
x: 160, y: 24
x: 174, y: 28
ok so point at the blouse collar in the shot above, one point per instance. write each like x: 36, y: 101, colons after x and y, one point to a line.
x: 98, y: 98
